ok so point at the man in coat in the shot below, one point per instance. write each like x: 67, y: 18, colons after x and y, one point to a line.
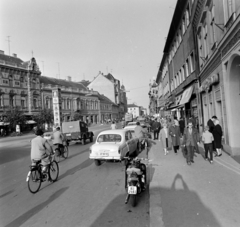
x: 174, y: 132
x: 191, y: 140
x: 211, y: 126
x: 156, y: 126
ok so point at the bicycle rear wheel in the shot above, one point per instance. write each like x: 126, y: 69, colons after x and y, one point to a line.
x: 53, y: 171
x: 34, y: 181
x: 57, y: 155
x: 65, y: 152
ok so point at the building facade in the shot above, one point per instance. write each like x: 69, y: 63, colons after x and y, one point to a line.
x: 217, y: 29
x: 110, y: 87
x: 135, y: 110
x: 19, y: 84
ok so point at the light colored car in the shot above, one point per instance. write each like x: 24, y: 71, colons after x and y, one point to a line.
x: 113, y: 145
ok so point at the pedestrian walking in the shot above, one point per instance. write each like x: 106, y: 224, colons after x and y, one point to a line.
x: 181, y: 125
x: 156, y: 126
x: 174, y: 132
x: 191, y: 140
x: 163, y: 138
x: 113, y: 125
x: 211, y: 126
x: 217, y: 135
x: 207, y: 138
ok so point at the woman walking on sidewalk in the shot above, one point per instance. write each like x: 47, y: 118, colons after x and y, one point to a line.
x: 217, y: 135
x: 163, y: 137
x: 207, y: 139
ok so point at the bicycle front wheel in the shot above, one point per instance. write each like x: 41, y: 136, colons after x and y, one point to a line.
x: 34, y: 181
x: 53, y: 171
x: 65, y: 152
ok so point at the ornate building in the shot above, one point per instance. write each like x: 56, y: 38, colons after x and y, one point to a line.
x: 19, y: 84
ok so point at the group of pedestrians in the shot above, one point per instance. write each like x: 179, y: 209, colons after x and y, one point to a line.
x: 174, y: 135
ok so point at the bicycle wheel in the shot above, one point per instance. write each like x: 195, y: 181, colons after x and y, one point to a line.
x: 57, y: 155
x: 65, y: 152
x: 53, y: 171
x: 34, y: 181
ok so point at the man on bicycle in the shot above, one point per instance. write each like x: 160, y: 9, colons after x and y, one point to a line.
x: 58, y: 140
x: 40, y: 150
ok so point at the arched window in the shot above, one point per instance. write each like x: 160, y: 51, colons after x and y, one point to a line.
x: 68, y: 104
x: 47, y: 103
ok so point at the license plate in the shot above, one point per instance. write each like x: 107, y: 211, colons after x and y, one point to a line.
x: 104, y: 154
x: 132, y: 190
x: 28, y: 176
x: 68, y: 134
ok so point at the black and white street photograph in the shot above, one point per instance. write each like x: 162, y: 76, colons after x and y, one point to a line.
x: 120, y: 113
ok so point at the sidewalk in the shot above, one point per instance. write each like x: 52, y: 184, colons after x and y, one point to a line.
x: 182, y: 195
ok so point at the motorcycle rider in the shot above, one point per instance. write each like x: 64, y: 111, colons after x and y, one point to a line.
x: 139, y: 133
x: 58, y: 140
x: 40, y: 150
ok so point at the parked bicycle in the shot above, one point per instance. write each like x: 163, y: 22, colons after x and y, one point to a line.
x: 36, y: 176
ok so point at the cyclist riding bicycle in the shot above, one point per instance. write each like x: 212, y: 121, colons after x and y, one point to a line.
x: 40, y: 150
x: 58, y: 140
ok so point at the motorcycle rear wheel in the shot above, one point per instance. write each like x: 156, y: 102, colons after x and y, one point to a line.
x: 134, y: 200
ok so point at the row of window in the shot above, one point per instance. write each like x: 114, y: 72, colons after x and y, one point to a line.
x: 184, y: 72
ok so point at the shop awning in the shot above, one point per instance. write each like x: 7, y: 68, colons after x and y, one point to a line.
x: 186, y: 95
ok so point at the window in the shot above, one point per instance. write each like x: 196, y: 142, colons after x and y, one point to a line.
x: 1, y: 100
x: 34, y: 103
x: 180, y: 36
x: 183, y: 26
x: 180, y: 76
x: 212, y: 27
x: 187, y: 16
x: 186, y: 69
x: 5, y: 82
x: 11, y: 101
x: 22, y: 102
x: 183, y: 73
x: 191, y: 61
x: 175, y: 82
x: 205, y: 40
x: 228, y: 9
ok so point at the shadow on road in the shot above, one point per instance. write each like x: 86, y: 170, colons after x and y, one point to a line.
x: 117, y: 213
x: 73, y: 170
x: 183, y: 207
x: 7, y: 193
x: 24, y: 217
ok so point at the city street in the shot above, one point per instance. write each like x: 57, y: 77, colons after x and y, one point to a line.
x: 84, y: 195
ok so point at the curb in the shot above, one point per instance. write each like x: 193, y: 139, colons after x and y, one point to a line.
x: 155, y: 208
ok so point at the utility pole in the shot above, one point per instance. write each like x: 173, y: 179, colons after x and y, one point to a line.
x: 8, y: 40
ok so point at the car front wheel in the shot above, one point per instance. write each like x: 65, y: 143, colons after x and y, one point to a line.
x: 97, y: 162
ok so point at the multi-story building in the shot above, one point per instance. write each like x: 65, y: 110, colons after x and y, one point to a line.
x: 19, y: 84
x: 74, y: 98
x: 134, y: 110
x: 110, y: 87
x: 217, y: 31
x: 177, y: 71
x: 22, y: 86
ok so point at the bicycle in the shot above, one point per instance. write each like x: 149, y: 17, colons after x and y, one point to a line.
x: 64, y: 152
x: 36, y: 176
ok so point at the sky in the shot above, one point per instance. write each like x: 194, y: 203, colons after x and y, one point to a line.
x: 79, y: 38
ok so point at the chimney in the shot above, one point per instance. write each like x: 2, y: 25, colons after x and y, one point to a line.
x: 15, y: 55
x: 69, y: 78
x: 1, y: 52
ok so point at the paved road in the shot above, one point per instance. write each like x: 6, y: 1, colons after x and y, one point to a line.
x: 85, y: 195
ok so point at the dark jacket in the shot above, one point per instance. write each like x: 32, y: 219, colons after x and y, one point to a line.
x: 210, y: 125
x: 196, y: 137
x: 156, y: 126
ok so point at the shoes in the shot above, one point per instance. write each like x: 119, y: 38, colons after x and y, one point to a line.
x: 216, y: 155
x: 219, y: 155
x: 192, y: 161
x: 206, y: 159
x: 211, y: 162
x: 189, y: 163
x: 165, y: 153
x: 176, y: 153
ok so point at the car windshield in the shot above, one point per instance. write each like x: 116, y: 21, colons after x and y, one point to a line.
x: 109, y: 138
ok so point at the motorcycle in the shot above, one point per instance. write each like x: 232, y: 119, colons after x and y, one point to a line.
x: 135, y: 178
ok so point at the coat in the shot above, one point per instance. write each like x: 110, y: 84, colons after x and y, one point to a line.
x: 162, y: 138
x: 156, y: 126
x: 175, y: 130
x: 196, y: 137
x: 210, y: 125
x: 217, y: 135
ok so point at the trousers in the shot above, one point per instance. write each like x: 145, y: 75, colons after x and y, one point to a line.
x: 190, y: 153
